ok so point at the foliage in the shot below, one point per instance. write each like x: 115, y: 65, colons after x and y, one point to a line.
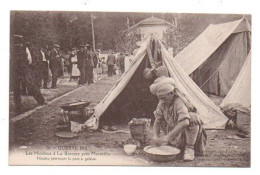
x: 126, y: 41
x: 176, y: 39
x: 69, y: 29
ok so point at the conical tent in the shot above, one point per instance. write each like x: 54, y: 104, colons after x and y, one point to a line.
x: 216, y: 56
x: 131, y: 92
x: 239, y: 96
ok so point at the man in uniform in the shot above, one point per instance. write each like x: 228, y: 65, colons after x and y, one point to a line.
x: 55, y: 64
x: 21, y: 73
x: 82, y: 64
x: 36, y: 65
x: 44, y: 67
x: 90, y: 65
x: 111, y: 61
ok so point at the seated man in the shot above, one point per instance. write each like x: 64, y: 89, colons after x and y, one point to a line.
x: 180, y: 127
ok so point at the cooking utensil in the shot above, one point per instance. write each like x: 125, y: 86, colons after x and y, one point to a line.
x: 75, y: 105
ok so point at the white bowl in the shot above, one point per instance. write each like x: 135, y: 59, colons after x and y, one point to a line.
x: 130, y: 149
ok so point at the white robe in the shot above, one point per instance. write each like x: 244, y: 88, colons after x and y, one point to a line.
x: 75, y: 71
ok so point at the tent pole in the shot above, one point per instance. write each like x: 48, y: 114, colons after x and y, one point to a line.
x: 150, y: 56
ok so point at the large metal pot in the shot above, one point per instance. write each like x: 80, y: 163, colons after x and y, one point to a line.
x: 75, y: 105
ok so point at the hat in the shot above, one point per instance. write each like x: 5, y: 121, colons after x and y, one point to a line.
x: 87, y: 45
x: 162, y: 86
x: 82, y: 45
x: 56, y: 45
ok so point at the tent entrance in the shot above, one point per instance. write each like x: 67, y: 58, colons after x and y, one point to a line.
x: 135, y: 101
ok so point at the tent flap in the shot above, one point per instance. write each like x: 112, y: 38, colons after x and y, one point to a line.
x: 222, y: 67
x: 209, y: 112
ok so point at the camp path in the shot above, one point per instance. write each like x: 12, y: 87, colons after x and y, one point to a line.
x: 40, y: 125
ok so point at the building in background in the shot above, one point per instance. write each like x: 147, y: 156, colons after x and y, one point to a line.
x: 152, y: 26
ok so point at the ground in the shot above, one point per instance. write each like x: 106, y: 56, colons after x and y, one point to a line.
x: 29, y: 103
x: 37, y: 132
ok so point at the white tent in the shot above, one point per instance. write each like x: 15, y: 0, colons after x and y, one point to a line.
x: 239, y: 96
x: 128, y: 88
x: 216, y: 56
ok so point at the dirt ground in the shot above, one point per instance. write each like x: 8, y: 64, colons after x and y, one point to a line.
x: 28, y: 102
x: 37, y: 131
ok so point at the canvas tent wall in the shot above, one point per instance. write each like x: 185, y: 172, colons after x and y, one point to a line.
x: 239, y: 96
x: 211, y: 115
x: 216, y: 56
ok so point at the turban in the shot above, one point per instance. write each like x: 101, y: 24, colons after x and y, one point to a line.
x: 162, y: 86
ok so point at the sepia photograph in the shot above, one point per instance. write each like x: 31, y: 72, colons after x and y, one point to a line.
x: 130, y: 88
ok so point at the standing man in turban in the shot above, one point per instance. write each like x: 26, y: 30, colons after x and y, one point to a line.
x: 180, y: 127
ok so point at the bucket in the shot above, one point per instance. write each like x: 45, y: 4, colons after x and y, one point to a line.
x: 139, y: 129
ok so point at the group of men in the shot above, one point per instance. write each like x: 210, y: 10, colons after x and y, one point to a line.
x: 86, y: 61
x: 30, y: 66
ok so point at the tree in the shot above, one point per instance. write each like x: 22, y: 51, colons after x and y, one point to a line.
x: 126, y: 41
x: 176, y: 39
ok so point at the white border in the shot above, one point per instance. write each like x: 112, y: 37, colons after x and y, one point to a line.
x: 175, y: 6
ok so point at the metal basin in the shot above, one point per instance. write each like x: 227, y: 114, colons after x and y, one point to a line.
x: 163, y: 153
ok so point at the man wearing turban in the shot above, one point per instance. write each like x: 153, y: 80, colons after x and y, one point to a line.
x: 180, y: 127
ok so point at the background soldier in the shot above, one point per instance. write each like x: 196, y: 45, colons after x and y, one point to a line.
x: 55, y: 64
x: 111, y: 61
x: 82, y: 64
x: 90, y: 65
x: 44, y: 67
x: 36, y: 65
